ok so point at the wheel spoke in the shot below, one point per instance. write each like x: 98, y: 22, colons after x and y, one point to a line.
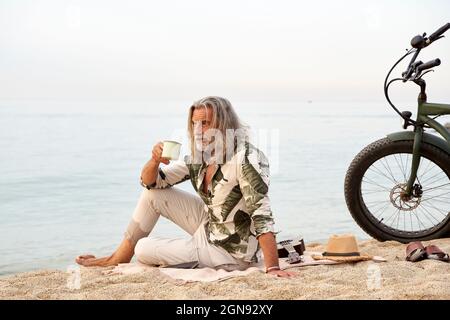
x: 418, y: 220
x: 440, y: 211
x: 442, y: 195
x: 372, y: 191
x: 400, y: 165
x: 383, y: 209
x: 398, y: 219
x: 377, y: 202
x: 425, y: 171
x: 393, y: 215
x: 442, y: 185
x: 376, y: 184
x: 382, y: 174
x: 425, y: 209
x: 407, y: 162
x: 425, y: 214
x: 447, y: 201
x: 428, y: 179
x: 388, y: 168
x: 410, y: 220
x: 384, y: 182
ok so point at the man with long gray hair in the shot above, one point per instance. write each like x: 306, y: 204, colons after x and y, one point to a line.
x: 229, y: 221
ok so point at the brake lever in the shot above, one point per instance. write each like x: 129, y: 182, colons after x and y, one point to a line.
x: 420, y: 77
x: 411, y: 70
x: 428, y: 42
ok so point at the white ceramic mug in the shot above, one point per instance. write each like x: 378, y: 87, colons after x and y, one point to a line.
x: 171, y: 150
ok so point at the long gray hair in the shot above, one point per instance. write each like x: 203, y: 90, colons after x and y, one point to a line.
x: 224, y: 119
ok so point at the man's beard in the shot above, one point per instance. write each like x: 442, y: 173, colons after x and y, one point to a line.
x: 206, y: 149
x: 200, y: 145
x: 203, y: 145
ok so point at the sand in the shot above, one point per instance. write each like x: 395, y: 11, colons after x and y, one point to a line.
x: 395, y: 279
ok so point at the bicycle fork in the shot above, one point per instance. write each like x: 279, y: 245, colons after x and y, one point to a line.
x: 418, y: 134
x: 415, y: 161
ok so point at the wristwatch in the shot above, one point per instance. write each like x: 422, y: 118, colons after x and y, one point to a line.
x: 146, y: 186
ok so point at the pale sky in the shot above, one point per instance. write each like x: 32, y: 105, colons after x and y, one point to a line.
x: 252, y: 50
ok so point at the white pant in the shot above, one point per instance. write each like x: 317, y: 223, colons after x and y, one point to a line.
x: 188, y: 212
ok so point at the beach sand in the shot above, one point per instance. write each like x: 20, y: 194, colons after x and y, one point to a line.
x: 395, y: 279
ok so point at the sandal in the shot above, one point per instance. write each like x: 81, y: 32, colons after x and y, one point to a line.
x: 433, y: 252
x: 415, y: 251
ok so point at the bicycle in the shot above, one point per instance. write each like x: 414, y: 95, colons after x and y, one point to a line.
x: 398, y: 187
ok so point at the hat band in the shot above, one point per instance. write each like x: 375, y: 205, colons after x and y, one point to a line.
x: 347, y: 254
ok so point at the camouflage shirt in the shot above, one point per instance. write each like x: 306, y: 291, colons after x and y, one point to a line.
x: 237, y: 200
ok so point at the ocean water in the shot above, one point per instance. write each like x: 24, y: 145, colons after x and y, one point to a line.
x: 69, y: 172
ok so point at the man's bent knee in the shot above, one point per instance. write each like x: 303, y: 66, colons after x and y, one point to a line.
x: 134, y: 232
x: 156, y: 194
x: 144, y: 251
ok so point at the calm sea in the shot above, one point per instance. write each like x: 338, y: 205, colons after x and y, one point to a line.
x: 69, y: 172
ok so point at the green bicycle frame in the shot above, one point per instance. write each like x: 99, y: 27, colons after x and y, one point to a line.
x: 425, y: 116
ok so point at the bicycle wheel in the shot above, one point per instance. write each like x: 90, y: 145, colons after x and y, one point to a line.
x: 374, y: 192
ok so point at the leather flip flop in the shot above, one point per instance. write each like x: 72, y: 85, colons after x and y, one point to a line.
x: 433, y: 252
x: 415, y: 251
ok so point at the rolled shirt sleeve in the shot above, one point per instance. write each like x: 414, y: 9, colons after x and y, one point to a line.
x: 170, y: 175
x: 253, y: 177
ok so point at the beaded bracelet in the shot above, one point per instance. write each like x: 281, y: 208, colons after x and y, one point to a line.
x: 272, y: 268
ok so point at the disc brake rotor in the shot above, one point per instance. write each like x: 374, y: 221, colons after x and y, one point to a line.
x: 398, y: 199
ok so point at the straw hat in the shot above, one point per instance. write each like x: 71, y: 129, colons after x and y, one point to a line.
x: 342, y: 248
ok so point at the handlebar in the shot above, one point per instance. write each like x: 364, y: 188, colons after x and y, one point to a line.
x: 428, y: 65
x: 439, y: 32
x: 421, y: 41
x: 415, y: 69
x: 418, y: 43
